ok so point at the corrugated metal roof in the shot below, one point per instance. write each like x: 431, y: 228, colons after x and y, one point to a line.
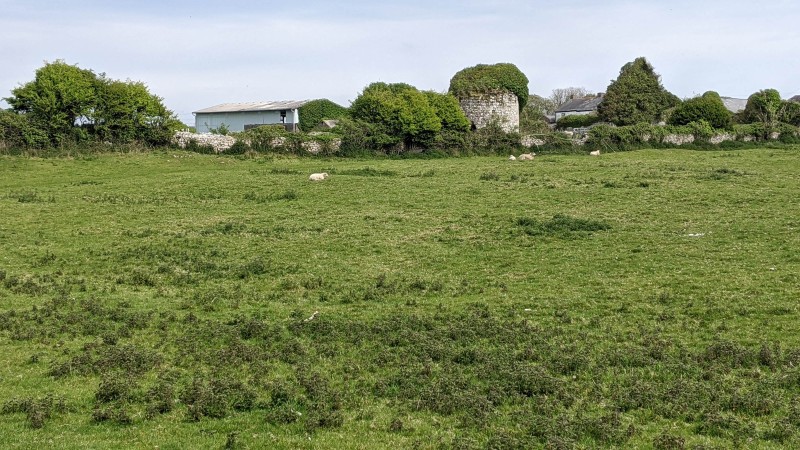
x: 581, y: 104
x: 254, y: 106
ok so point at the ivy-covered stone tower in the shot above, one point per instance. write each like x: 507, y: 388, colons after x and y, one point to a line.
x: 489, y: 93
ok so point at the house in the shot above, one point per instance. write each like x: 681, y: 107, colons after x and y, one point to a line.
x: 734, y: 105
x: 243, y: 116
x: 579, y: 106
x: 795, y: 99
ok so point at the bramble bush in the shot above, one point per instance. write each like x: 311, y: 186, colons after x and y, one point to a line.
x: 577, y: 121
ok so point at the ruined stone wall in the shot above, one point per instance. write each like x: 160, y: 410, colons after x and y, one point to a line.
x: 481, y: 109
x: 219, y: 142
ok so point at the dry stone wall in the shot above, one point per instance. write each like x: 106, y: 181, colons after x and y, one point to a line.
x: 482, y: 109
x: 218, y: 142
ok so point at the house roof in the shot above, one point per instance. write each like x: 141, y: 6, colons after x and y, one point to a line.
x: 253, y: 106
x: 581, y: 104
x: 796, y: 98
x: 734, y: 105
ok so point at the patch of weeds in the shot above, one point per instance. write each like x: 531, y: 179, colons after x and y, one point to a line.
x: 611, y: 184
x: 489, y: 176
x: 284, y: 171
x: 254, y: 267
x: 369, y: 172
x: 724, y: 172
x: 37, y: 410
x: 668, y: 441
x: 27, y: 197
x: 266, y: 198
x: 560, y: 225
x: 216, y: 397
x: 426, y: 174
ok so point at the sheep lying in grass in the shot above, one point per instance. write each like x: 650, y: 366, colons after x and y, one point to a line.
x: 595, y: 153
x: 318, y: 176
x: 526, y: 156
x: 512, y: 158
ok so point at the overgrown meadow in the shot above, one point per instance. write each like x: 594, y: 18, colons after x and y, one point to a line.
x: 646, y: 299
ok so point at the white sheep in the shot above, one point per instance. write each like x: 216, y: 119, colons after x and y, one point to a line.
x: 512, y: 158
x: 595, y: 153
x: 318, y: 176
x: 526, y: 156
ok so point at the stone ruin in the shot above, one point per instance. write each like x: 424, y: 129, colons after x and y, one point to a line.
x: 484, y: 108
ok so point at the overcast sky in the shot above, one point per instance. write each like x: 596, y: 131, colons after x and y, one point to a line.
x: 200, y: 53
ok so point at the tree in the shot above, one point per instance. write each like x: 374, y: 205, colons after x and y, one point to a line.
x: 484, y: 78
x: 562, y: 95
x: 59, y: 96
x: 126, y: 111
x: 68, y: 103
x: 533, y: 117
x: 636, y: 96
x: 449, y: 111
x: 399, y: 114
x: 708, y: 107
x: 315, y: 111
x: 764, y: 107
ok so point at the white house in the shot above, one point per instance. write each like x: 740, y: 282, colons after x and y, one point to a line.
x: 243, y: 116
x: 579, y: 106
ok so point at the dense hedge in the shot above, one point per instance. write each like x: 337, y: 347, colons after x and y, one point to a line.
x: 577, y: 121
x: 315, y: 111
x: 708, y: 107
x: 485, y: 78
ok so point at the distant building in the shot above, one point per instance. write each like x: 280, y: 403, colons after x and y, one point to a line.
x: 734, y: 105
x: 579, y: 106
x: 795, y: 99
x: 243, y: 116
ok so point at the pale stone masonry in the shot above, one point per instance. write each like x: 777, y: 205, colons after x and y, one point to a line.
x: 482, y: 109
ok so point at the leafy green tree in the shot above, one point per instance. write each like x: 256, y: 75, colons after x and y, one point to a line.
x: 636, y: 96
x: 399, y: 113
x: 449, y: 111
x: 484, y: 78
x: 126, y: 111
x: 765, y: 107
x: 708, y: 107
x: 315, y: 111
x: 533, y: 117
x: 68, y: 103
x: 58, y: 98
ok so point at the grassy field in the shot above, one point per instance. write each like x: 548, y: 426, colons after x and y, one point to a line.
x: 172, y: 300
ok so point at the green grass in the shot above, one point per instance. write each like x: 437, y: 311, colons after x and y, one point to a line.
x: 645, y: 299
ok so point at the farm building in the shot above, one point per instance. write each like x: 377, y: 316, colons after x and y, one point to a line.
x: 579, y: 106
x: 243, y: 116
x: 734, y: 105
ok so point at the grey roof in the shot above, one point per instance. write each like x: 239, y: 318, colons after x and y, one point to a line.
x: 734, y: 105
x: 254, y: 106
x: 796, y: 98
x: 581, y: 104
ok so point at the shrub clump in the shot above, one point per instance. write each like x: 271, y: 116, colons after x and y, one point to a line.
x: 560, y: 224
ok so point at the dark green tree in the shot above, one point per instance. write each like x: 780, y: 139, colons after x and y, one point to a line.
x: 315, y: 111
x: 485, y: 78
x: 636, y: 96
x: 708, y: 107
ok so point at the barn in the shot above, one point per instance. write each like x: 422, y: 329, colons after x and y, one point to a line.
x: 243, y: 116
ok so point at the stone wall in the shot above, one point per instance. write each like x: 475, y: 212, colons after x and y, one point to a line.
x: 218, y: 142
x: 314, y: 143
x: 482, y: 109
